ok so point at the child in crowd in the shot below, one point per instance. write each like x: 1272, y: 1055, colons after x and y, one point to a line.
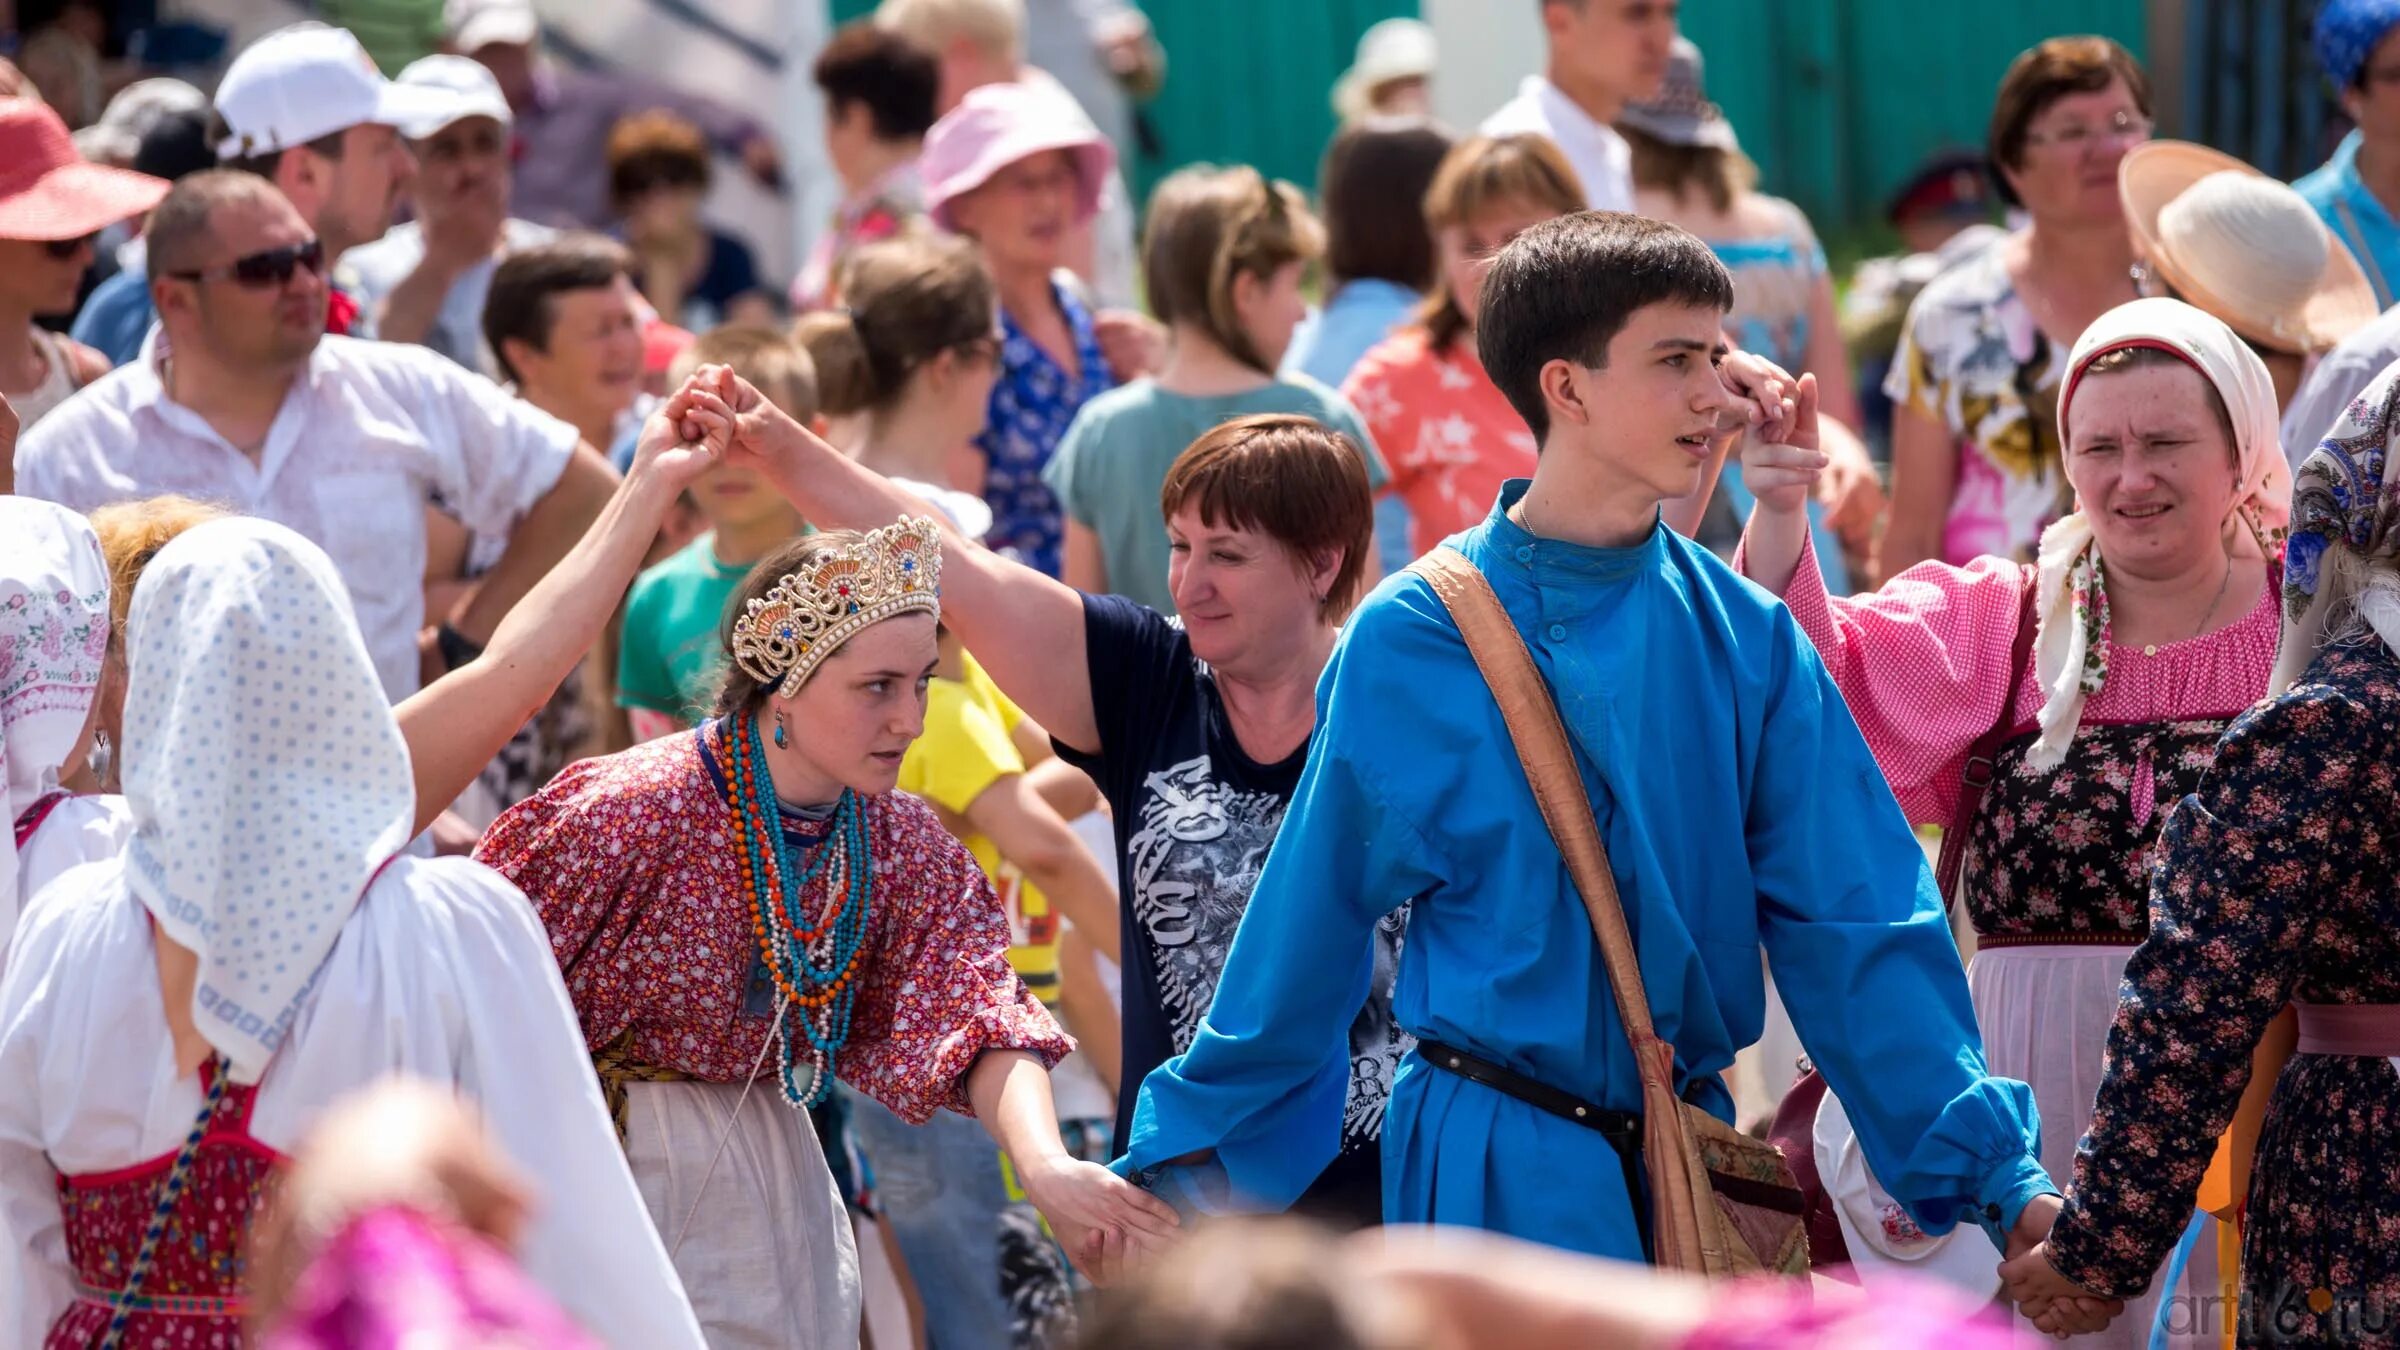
x: 667, y: 661
x: 905, y: 370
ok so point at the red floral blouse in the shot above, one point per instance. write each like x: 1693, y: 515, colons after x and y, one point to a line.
x: 631, y: 861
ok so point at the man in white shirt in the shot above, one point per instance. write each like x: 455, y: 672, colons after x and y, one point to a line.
x: 304, y: 108
x: 240, y: 397
x: 1603, y: 55
x: 426, y: 279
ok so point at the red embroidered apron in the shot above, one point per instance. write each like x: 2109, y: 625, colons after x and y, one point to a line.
x: 192, y: 1297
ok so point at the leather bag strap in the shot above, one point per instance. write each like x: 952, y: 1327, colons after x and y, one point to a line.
x: 1975, y: 776
x: 1678, y: 1239
x: 1549, y: 761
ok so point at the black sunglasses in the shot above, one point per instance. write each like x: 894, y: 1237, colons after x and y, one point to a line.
x: 274, y: 267
x: 63, y: 249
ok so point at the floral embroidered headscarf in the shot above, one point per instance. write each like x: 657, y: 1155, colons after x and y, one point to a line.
x: 2344, y: 541
x: 2071, y: 645
x: 53, y: 634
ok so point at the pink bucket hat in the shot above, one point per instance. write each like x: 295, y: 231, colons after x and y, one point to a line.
x: 999, y: 124
x: 48, y: 190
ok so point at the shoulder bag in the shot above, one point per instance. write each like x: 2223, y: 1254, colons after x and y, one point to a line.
x: 1721, y: 1203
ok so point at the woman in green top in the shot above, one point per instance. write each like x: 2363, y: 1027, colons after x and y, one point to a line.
x: 1222, y: 261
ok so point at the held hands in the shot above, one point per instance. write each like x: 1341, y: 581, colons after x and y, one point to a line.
x: 1762, y: 398
x: 1104, y: 1221
x: 2056, y: 1305
x: 684, y: 436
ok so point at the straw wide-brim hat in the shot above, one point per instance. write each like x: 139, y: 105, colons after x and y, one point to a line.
x: 2243, y: 247
x: 1395, y: 49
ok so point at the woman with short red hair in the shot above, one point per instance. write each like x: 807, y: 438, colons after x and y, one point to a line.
x: 1195, y: 728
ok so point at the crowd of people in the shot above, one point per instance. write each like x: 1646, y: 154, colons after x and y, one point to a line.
x: 568, y: 790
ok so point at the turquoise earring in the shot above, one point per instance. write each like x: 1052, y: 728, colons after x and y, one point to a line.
x: 782, y: 741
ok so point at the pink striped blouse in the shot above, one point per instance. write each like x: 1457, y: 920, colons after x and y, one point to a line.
x: 1923, y: 665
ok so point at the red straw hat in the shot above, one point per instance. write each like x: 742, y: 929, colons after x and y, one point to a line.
x: 48, y: 190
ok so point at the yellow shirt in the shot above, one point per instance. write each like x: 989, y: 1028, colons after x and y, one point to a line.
x: 965, y: 749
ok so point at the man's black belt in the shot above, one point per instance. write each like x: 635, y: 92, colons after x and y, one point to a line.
x: 1622, y: 1129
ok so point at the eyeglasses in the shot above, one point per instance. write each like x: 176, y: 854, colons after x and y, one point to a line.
x: 63, y: 249
x: 274, y: 267
x: 2074, y: 136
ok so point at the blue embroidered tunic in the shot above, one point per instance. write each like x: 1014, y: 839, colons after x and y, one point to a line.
x: 1740, y: 808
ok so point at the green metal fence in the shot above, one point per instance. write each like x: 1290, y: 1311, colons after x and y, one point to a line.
x: 1837, y: 100
x: 1248, y: 81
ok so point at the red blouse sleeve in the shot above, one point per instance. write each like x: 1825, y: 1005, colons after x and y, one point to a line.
x: 938, y: 990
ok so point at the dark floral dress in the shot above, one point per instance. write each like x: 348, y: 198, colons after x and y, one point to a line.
x: 2065, y: 856
x: 2280, y: 880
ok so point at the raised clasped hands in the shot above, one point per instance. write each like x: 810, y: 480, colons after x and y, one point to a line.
x: 2056, y: 1305
x: 698, y: 427
x: 1784, y: 458
x: 1761, y: 397
x: 682, y: 437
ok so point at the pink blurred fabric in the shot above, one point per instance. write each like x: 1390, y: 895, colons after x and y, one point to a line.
x: 394, y: 1277
x: 1773, y: 1312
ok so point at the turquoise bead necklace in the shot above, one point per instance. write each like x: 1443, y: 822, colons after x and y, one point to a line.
x: 815, y: 959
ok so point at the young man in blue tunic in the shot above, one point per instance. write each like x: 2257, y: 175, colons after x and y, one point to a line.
x: 1736, y: 797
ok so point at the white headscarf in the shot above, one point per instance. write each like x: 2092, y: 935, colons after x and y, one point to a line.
x: 266, y: 775
x: 53, y: 634
x: 2071, y: 601
x: 2345, y: 542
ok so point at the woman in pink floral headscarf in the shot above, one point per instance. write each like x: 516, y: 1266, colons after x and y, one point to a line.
x: 2049, y: 716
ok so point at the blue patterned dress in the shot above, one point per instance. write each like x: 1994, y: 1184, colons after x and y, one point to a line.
x: 1031, y: 407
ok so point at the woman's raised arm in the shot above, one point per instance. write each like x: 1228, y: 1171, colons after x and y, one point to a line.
x: 455, y: 725
x: 1025, y: 628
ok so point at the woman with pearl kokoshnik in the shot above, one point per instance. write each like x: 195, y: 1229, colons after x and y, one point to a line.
x: 748, y: 909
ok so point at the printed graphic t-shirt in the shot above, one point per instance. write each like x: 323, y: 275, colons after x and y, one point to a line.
x: 1194, y: 819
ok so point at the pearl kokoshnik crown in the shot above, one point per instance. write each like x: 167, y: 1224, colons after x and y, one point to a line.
x: 810, y: 613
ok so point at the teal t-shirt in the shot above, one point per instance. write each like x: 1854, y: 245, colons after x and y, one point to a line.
x: 671, y: 657
x: 1114, y: 459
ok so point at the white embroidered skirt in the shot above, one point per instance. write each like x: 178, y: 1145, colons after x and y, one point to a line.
x: 768, y: 1256
x: 2045, y: 1012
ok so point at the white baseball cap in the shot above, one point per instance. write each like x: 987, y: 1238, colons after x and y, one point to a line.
x: 472, y: 92
x: 310, y: 80
x: 476, y: 24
